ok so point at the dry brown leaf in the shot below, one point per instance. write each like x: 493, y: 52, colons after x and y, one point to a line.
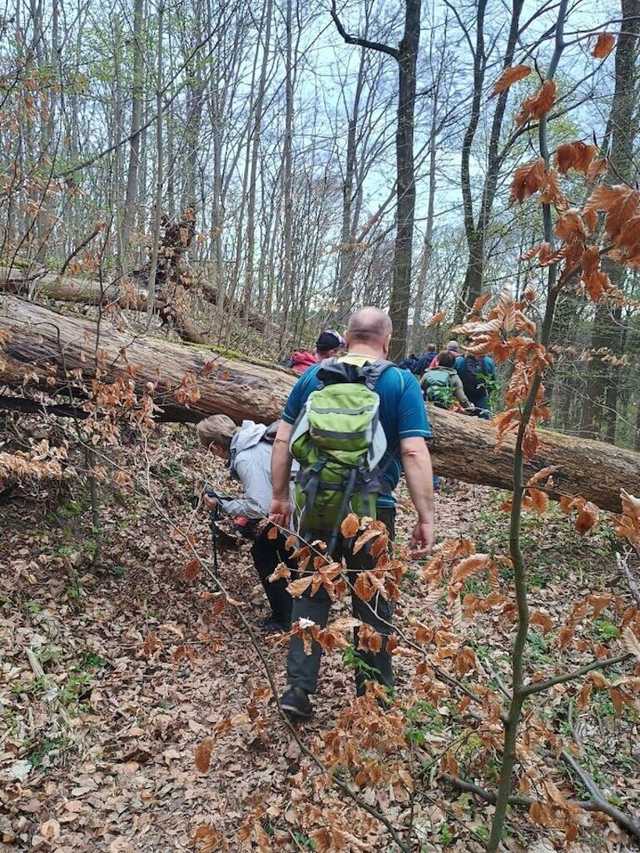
x: 297, y: 587
x: 369, y: 534
x: 50, y: 830
x: 575, y: 155
x: 510, y: 76
x: 587, y: 518
x: 280, y: 571
x: 437, y: 318
x: 631, y: 642
x: 603, y: 46
x: 203, y: 754
x: 538, y: 105
x: 570, y: 226
x: 527, y: 180
x: 469, y: 566
x: 291, y: 542
x: 350, y: 526
x: 369, y: 640
x: 542, y: 619
x: 207, y: 839
x: 539, y: 500
x: 542, y: 474
x: 192, y: 569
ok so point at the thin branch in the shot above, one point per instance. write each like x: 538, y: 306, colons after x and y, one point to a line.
x: 599, y: 801
x: 361, y: 42
x: 541, y: 686
x: 79, y: 248
x: 623, y: 566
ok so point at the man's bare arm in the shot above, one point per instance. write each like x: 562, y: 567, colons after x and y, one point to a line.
x: 416, y: 462
x: 280, y: 511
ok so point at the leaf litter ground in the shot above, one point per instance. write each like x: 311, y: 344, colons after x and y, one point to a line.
x: 112, y: 676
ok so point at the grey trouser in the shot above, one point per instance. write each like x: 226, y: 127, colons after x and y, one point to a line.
x: 303, y: 669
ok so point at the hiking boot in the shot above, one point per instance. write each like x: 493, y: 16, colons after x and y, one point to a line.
x: 295, y: 703
x: 272, y: 625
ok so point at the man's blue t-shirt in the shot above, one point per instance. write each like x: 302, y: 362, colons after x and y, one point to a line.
x: 402, y: 414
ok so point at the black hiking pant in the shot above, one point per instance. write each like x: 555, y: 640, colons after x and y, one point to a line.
x: 303, y: 669
x: 267, y: 553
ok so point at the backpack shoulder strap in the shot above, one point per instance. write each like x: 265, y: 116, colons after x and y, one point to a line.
x: 374, y: 370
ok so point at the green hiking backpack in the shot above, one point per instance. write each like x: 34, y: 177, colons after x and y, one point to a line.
x: 339, y: 442
x: 437, y: 386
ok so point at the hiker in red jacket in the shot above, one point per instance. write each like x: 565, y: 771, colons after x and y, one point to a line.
x: 328, y: 344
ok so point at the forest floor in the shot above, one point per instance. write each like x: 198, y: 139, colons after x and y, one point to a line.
x: 112, y: 674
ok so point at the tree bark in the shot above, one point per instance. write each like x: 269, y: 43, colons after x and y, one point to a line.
x: 131, y: 196
x: 406, y: 187
x: 475, y: 232
x: 600, y: 410
x: 43, y: 343
x: 255, y: 151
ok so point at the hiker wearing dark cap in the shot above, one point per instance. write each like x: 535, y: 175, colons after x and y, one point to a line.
x: 329, y: 343
x: 249, y: 449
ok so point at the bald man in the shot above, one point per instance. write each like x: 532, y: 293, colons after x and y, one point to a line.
x: 406, y: 427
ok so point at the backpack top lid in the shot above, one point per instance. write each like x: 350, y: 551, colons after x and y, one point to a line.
x: 337, y: 370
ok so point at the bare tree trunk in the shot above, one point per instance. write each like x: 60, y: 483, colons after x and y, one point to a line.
x: 406, y: 187
x: 476, y: 231
x: 427, y: 244
x: 157, y: 215
x: 255, y: 150
x: 602, y: 383
x: 346, y: 255
x: 131, y: 194
x: 287, y: 173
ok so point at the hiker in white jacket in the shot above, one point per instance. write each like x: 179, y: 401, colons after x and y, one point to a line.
x: 249, y: 448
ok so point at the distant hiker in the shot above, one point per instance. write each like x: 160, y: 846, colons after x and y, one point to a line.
x: 425, y: 360
x: 417, y: 364
x: 409, y: 363
x: 329, y: 343
x: 347, y: 464
x: 442, y: 386
x: 249, y: 449
x: 452, y: 346
x: 477, y: 375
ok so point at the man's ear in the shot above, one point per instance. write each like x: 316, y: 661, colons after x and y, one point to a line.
x: 387, y: 344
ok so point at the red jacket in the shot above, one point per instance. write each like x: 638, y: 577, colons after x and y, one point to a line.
x: 302, y: 360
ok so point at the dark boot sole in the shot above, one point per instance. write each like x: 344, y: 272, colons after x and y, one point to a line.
x: 295, y: 713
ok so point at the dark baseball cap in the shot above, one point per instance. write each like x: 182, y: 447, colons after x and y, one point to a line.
x: 329, y: 340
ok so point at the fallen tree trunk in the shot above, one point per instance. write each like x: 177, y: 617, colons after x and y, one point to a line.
x: 85, y: 291
x: 194, y: 382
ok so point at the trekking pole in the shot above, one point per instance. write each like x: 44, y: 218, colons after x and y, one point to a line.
x: 215, y: 515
